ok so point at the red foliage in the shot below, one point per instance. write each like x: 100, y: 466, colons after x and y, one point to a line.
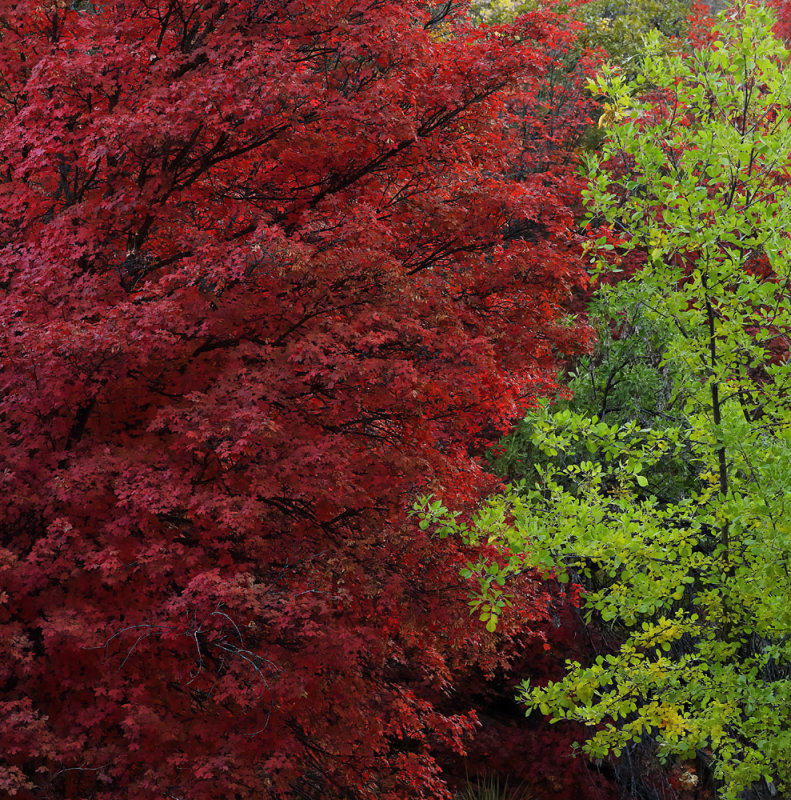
x: 268, y: 268
x: 531, y: 752
x: 700, y: 21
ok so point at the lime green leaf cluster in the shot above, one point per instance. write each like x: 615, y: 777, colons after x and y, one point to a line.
x: 697, y: 587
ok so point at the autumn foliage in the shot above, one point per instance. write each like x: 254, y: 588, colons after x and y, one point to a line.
x: 267, y: 270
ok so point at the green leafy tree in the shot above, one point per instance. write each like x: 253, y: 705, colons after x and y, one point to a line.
x: 696, y: 588
x: 624, y: 379
x: 617, y: 26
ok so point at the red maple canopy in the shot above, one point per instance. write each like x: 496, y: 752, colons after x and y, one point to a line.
x: 268, y: 269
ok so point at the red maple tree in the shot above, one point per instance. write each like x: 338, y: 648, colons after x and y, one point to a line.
x: 268, y: 269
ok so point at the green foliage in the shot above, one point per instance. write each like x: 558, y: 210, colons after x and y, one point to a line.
x: 617, y: 26
x: 696, y: 586
x: 624, y: 380
x: 620, y: 26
